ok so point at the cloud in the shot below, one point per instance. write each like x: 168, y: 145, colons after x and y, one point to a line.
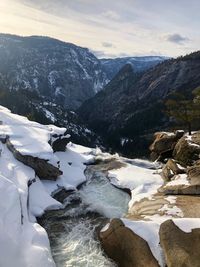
x: 177, y: 38
x: 107, y: 45
x: 103, y: 54
x: 111, y: 15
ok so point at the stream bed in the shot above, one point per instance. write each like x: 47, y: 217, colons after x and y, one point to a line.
x: 73, y: 231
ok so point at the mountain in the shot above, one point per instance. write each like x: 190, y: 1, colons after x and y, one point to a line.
x: 132, y: 104
x: 112, y: 66
x: 37, y: 108
x: 62, y: 72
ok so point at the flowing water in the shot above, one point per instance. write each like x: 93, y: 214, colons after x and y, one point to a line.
x: 73, y: 230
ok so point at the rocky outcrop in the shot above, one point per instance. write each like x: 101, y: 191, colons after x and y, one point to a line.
x: 187, y: 150
x: 60, y: 142
x: 194, y: 173
x: 164, y: 144
x: 181, y: 190
x: 180, y: 249
x: 170, y: 169
x: 43, y: 169
x: 125, y: 247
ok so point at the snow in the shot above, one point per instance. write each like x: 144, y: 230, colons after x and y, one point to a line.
x: 149, y: 231
x: 23, y: 242
x: 142, y: 181
x: 29, y: 138
x: 40, y: 200
x: 72, y: 165
x: 49, y: 115
x: 187, y: 224
x: 180, y: 179
x: 173, y: 211
x: 171, y: 199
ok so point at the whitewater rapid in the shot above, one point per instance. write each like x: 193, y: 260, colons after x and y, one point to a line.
x: 73, y: 231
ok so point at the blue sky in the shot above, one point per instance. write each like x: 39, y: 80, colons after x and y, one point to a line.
x: 109, y: 28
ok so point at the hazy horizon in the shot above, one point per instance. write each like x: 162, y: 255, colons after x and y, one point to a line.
x: 131, y: 28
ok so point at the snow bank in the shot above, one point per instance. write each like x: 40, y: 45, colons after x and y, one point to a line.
x: 72, y: 165
x: 23, y: 242
x: 28, y: 137
x: 138, y: 177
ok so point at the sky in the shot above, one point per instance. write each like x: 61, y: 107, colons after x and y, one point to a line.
x: 109, y: 28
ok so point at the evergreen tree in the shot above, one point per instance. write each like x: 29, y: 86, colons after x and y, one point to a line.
x: 185, y: 110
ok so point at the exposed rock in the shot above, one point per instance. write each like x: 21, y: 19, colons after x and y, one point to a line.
x: 180, y: 249
x: 170, y: 169
x: 61, y: 194
x: 164, y: 144
x: 43, y: 169
x: 194, y: 173
x: 181, y: 190
x: 60, y: 144
x: 187, y: 151
x: 167, y: 173
x: 125, y: 247
x: 160, y: 205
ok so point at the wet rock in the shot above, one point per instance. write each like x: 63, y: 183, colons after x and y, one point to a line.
x: 187, y: 151
x: 43, y: 169
x: 61, y: 194
x: 180, y: 249
x: 125, y: 247
x: 164, y: 144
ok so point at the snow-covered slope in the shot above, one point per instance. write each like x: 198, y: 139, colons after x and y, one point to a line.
x: 64, y: 72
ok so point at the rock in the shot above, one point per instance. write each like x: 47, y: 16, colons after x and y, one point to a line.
x: 180, y: 249
x: 180, y: 190
x: 167, y: 173
x: 194, y: 173
x: 170, y: 169
x: 164, y: 144
x: 61, y: 194
x: 43, y: 169
x: 187, y: 151
x: 125, y: 247
x: 60, y: 144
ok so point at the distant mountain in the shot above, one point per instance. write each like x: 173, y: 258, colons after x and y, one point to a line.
x: 112, y: 66
x: 131, y: 105
x: 62, y: 72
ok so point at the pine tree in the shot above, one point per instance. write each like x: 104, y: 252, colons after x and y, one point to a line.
x: 182, y: 109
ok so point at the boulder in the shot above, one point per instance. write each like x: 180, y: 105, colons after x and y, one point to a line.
x: 170, y: 169
x: 180, y: 249
x: 194, y: 173
x: 180, y: 190
x: 164, y: 144
x: 43, y: 169
x: 125, y: 247
x: 60, y: 142
x: 187, y: 150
